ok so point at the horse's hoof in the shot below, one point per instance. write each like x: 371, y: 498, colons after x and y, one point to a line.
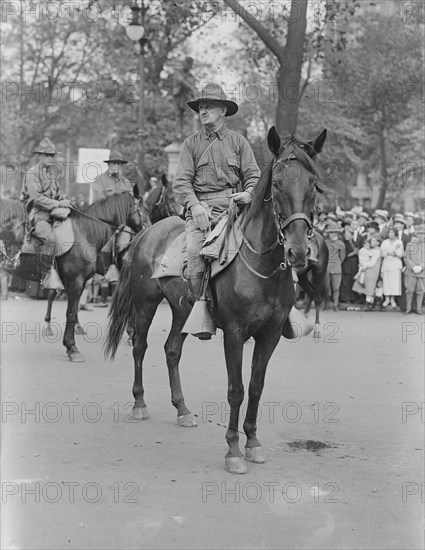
x: 187, y: 421
x: 140, y: 413
x: 79, y: 329
x: 254, y: 454
x: 47, y: 331
x: 75, y: 356
x: 235, y: 465
x: 316, y: 332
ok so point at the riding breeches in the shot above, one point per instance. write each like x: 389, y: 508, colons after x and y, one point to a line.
x: 43, y: 230
x: 195, y: 238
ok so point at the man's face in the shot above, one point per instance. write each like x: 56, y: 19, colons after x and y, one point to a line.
x: 409, y: 221
x: 46, y: 159
x: 114, y: 168
x: 354, y: 224
x: 211, y: 112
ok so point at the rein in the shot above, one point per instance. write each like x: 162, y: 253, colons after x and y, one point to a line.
x: 121, y: 227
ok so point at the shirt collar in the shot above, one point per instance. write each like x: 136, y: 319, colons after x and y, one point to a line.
x: 220, y: 133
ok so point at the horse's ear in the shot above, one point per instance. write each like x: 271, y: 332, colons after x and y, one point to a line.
x: 136, y: 192
x: 164, y: 180
x: 273, y: 141
x: 318, y: 143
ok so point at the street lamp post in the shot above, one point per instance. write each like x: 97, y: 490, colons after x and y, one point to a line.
x: 136, y: 32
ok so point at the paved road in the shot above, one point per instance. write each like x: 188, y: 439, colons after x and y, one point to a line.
x: 340, y: 424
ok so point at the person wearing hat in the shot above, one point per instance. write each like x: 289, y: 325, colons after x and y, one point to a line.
x: 399, y: 224
x: 336, y: 257
x: 214, y: 166
x: 381, y: 218
x: 409, y: 218
x: 414, y: 276
x: 41, y: 192
x: 111, y: 182
x: 360, y: 233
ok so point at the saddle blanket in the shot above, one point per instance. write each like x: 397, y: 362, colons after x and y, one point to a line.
x: 64, y: 235
x: 220, y: 251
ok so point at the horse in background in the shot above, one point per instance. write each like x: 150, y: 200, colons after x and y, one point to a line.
x: 313, y: 281
x: 93, y: 227
x: 251, y: 297
x: 161, y: 202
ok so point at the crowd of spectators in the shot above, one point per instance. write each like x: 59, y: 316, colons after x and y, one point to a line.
x: 376, y: 261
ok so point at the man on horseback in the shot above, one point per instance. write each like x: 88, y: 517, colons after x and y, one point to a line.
x: 111, y: 182
x: 41, y: 191
x: 215, y: 164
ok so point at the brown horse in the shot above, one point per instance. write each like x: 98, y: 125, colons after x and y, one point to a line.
x: 251, y: 297
x: 161, y: 202
x: 93, y: 227
x: 313, y: 281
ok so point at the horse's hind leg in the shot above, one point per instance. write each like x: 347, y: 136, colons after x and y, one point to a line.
x: 173, y: 351
x: 143, y: 319
x: 51, y: 295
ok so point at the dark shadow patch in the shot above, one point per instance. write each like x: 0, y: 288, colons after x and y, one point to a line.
x: 310, y: 445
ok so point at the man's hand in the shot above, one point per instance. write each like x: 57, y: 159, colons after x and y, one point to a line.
x: 200, y: 217
x: 241, y: 198
x: 417, y: 269
x: 64, y: 203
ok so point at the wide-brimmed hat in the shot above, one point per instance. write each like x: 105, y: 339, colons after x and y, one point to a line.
x: 214, y: 92
x: 399, y: 218
x: 381, y: 214
x: 409, y: 215
x: 364, y: 215
x: 46, y: 147
x: 116, y: 156
x: 332, y: 227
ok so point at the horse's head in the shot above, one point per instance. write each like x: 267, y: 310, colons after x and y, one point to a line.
x: 138, y: 217
x: 294, y: 183
x: 167, y: 201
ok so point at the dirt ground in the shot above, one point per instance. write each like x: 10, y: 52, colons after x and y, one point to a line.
x: 341, y: 425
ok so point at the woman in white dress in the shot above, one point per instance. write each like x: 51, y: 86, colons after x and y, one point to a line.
x: 369, y: 269
x: 392, y: 253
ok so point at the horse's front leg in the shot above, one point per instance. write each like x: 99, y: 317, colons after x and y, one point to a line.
x: 74, y: 290
x: 233, y: 349
x: 265, y: 343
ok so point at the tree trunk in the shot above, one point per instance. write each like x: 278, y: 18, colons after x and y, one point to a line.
x: 384, y: 171
x: 290, y: 57
x: 289, y: 74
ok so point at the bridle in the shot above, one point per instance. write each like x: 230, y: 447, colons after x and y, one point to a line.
x: 282, y: 223
x: 162, y: 201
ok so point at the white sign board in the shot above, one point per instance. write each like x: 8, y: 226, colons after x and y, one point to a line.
x: 90, y: 165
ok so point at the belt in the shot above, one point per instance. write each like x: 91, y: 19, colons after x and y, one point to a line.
x: 216, y: 194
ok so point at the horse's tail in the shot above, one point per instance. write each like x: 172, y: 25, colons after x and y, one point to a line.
x: 121, y: 308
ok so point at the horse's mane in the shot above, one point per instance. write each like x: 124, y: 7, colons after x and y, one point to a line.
x: 114, y: 210
x: 291, y: 148
x: 153, y: 197
x: 10, y: 209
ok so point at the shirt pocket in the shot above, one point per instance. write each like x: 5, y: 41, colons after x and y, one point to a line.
x: 204, y: 172
x: 233, y: 169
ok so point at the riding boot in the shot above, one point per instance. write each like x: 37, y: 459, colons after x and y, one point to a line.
x: 419, y: 300
x: 199, y: 323
x: 409, y: 298
x: 195, y: 287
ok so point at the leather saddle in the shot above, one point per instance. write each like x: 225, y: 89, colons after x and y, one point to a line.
x: 220, y: 248
x: 64, y: 236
